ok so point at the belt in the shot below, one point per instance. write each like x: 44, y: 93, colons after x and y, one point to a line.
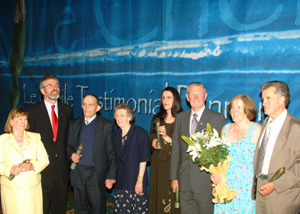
x: 263, y: 176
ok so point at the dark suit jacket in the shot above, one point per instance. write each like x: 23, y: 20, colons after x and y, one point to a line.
x: 104, y: 153
x: 286, y: 154
x: 39, y: 122
x: 182, y: 169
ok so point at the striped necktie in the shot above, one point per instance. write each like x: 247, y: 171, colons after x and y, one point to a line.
x: 194, y: 123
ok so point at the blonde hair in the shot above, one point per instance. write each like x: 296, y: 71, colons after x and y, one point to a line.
x: 16, y: 112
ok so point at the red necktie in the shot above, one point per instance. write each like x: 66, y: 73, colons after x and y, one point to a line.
x: 54, y: 123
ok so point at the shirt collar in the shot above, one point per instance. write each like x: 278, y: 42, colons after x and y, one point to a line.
x: 199, y: 113
x: 48, y: 105
x: 90, y: 120
x: 279, y: 119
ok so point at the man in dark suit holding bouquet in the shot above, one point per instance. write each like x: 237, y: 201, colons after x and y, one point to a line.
x: 194, y: 185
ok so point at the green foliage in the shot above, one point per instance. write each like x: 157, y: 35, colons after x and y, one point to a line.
x: 188, y: 140
x: 207, y: 148
x: 212, y: 156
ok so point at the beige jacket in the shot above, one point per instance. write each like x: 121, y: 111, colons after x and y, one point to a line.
x: 11, y: 154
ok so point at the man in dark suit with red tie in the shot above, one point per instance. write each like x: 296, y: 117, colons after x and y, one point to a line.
x: 50, y: 118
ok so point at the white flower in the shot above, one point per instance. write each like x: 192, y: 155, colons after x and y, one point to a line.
x: 214, y: 142
x: 207, y: 142
x: 226, y: 141
x: 194, y: 150
x: 216, y: 133
x: 197, y: 135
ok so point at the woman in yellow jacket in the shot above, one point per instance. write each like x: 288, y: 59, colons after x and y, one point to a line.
x: 22, y: 158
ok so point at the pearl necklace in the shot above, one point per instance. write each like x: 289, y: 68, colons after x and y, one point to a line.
x: 18, y: 138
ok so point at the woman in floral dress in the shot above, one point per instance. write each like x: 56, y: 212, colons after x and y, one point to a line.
x: 243, y: 134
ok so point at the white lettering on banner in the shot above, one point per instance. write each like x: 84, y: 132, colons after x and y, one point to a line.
x: 141, y: 105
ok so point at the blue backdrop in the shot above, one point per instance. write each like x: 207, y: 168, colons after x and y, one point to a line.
x: 128, y: 51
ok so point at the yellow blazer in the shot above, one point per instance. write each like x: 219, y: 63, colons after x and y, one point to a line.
x: 11, y: 154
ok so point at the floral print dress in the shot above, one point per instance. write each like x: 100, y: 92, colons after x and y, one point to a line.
x: 240, y: 175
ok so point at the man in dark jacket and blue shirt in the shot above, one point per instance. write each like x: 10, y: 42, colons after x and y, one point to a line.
x: 96, y: 167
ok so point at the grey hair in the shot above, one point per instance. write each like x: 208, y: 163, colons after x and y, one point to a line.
x: 196, y: 84
x: 282, y: 89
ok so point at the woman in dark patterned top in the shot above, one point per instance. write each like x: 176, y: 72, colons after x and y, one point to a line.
x: 132, y: 154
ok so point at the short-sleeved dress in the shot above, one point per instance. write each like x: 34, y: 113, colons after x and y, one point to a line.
x: 239, y: 176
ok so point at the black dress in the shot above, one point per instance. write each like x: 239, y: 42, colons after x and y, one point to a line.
x: 161, y: 197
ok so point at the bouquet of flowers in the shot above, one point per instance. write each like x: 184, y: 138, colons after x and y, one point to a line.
x: 210, y: 152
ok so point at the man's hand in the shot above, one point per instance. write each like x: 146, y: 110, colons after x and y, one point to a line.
x: 75, y: 158
x: 266, y: 189
x: 174, y: 185
x: 109, y: 183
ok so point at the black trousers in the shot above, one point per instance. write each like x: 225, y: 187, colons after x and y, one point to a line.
x: 55, y: 196
x: 87, y: 193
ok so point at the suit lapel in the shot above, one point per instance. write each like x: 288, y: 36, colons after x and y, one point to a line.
x: 60, y: 116
x: 77, y: 130
x: 203, y: 120
x: 186, y: 123
x: 98, y: 133
x: 258, y: 142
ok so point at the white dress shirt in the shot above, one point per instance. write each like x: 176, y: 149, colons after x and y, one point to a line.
x: 276, y: 126
x: 49, y: 109
x: 90, y: 120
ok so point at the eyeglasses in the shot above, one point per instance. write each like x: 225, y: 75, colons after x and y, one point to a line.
x: 56, y: 85
x: 167, y: 98
x: 120, y: 116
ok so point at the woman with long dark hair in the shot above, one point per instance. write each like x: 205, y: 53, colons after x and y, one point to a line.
x: 161, y: 197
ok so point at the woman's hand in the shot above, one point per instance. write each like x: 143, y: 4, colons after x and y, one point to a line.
x: 26, y: 167
x: 216, y: 179
x: 154, y: 142
x: 15, y: 170
x: 139, y: 186
x: 163, y: 133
